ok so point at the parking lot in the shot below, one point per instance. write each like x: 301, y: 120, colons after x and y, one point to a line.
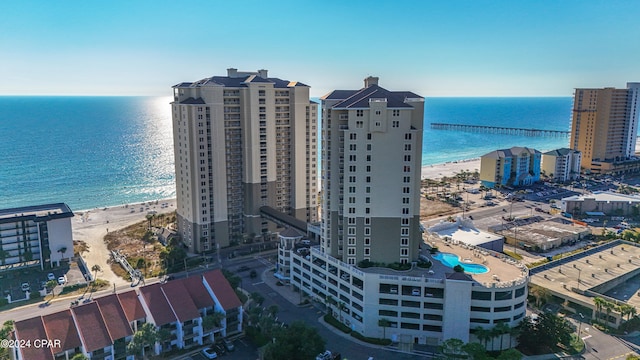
x: 15, y: 282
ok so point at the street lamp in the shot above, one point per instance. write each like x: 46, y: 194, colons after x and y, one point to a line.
x: 579, y: 272
x: 580, y: 323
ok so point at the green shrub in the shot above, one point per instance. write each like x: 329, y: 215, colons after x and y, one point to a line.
x: 337, y: 324
x: 370, y: 340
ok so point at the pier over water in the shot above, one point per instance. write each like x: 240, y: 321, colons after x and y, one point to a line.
x: 500, y: 130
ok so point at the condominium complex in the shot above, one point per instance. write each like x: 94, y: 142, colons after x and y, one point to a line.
x: 604, y: 128
x: 103, y: 327
x: 561, y: 164
x: 242, y: 142
x: 371, y: 159
x: 515, y: 166
x: 35, y: 236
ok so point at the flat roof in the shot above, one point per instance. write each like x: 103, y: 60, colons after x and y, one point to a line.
x: 52, y: 211
x: 463, y: 230
x: 594, y: 267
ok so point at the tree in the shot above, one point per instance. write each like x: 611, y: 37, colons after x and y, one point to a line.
x: 50, y: 285
x: 95, y: 268
x: 482, y: 334
x: 609, y: 306
x: 598, y: 302
x: 145, y: 336
x: 62, y: 250
x: 211, y: 321
x: 476, y: 351
x: 501, y: 329
x: 79, y: 356
x: 5, y: 331
x: 510, y: 354
x: 458, y: 268
x: 452, y: 349
x: 257, y: 298
x: 297, y: 342
x: 384, y: 323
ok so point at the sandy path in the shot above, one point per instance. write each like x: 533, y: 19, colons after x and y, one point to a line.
x: 91, y: 226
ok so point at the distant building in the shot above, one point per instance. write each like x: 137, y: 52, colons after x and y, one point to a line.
x: 242, y: 142
x: 562, y: 164
x: 35, y: 236
x: 604, y: 128
x: 609, y: 203
x: 510, y: 167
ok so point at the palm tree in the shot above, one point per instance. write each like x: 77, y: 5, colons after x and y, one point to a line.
x: 598, y: 302
x: 501, y: 329
x: 95, y: 268
x: 341, y: 307
x: 385, y: 323
x: 609, y: 306
x: 62, y: 250
x: 483, y: 335
x: 330, y: 302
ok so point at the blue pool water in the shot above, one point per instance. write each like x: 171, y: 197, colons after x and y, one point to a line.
x: 451, y: 260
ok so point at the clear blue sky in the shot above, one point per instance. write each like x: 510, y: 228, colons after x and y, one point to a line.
x: 435, y: 48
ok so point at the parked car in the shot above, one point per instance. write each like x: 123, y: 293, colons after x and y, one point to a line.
x: 210, y: 353
x: 62, y: 280
x: 51, y: 276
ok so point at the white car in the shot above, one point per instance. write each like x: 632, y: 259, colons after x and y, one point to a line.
x: 62, y: 280
x: 210, y: 353
x: 51, y: 276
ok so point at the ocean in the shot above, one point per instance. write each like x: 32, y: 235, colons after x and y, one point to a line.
x: 92, y: 152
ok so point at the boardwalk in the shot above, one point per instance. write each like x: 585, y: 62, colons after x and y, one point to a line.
x: 500, y: 130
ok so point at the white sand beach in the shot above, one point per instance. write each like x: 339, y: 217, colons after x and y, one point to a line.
x: 439, y: 171
x: 92, y: 225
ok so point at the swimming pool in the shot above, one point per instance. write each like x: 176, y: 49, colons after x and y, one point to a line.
x: 451, y: 260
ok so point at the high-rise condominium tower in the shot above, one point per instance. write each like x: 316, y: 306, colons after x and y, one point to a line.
x: 371, y: 166
x: 605, y: 125
x: 241, y: 142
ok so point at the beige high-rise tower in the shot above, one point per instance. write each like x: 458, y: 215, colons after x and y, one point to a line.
x: 371, y: 166
x: 241, y: 142
x: 604, y: 127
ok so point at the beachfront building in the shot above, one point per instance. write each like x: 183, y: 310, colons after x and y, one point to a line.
x: 103, y: 327
x: 35, y: 236
x: 604, y: 127
x: 371, y: 163
x: 561, y: 164
x: 242, y: 142
x: 372, y: 269
x: 516, y: 166
x: 605, y: 202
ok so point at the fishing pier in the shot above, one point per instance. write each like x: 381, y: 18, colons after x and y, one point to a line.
x: 500, y: 130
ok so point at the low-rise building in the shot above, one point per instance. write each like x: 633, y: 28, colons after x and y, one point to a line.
x: 609, y: 203
x: 102, y: 328
x: 510, y: 167
x: 561, y: 164
x: 462, y: 230
x: 35, y: 236
x: 542, y: 235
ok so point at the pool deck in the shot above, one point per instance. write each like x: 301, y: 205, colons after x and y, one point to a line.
x: 502, y: 269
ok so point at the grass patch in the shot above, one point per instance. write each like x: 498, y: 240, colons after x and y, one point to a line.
x: 513, y: 255
x: 576, y: 346
x: 336, y: 324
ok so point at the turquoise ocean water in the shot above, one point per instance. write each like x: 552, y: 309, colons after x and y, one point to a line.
x: 104, y: 151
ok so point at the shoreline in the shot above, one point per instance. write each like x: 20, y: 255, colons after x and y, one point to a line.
x: 450, y: 168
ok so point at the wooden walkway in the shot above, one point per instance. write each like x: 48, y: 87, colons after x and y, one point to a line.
x: 500, y: 130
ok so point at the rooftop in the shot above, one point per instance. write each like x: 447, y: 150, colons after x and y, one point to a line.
x: 603, y: 196
x: 59, y: 210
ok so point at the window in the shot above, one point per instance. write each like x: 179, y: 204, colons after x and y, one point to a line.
x: 351, y: 221
x: 352, y: 189
x: 406, y: 179
x: 351, y: 231
x: 351, y: 251
x: 395, y: 123
x: 404, y: 231
x: 407, y: 136
x: 367, y: 221
x: 404, y: 252
x: 367, y: 251
x: 359, y: 124
x: 395, y: 113
x: 351, y: 241
x: 352, y: 136
x: 405, y: 211
x: 359, y: 113
x: 405, y: 200
x: 368, y: 179
x: 367, y: 241
x: 368, y: 147
x: 367, y: 231
x: 407, y: 147
x: 404, y: 241
x: 405, y: 221
x: 352, y: 147
x: 407, y: 168
x: 406, y: 190
x: 352, y: 200
x: 407, y: 158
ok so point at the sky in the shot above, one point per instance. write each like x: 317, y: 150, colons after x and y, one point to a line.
x: 434, y: 48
